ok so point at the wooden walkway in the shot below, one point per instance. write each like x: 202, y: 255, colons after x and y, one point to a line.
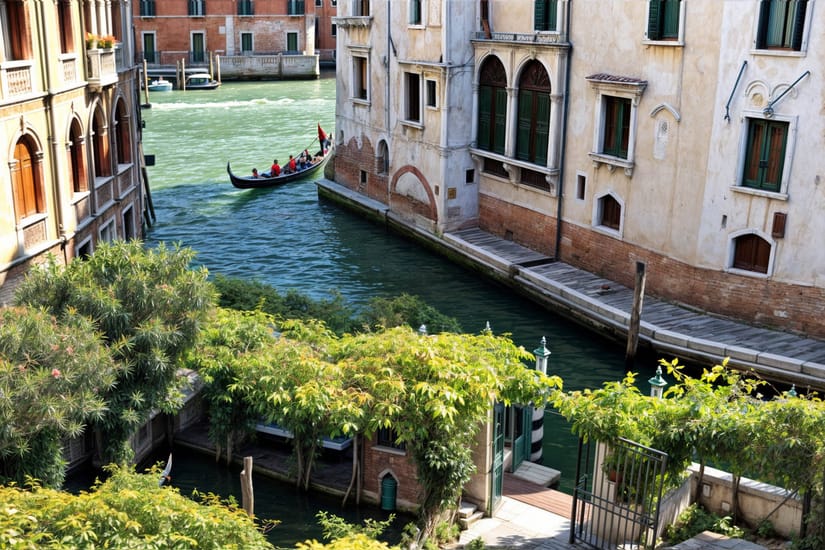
x: 535, y: 495
x: 668, y: 328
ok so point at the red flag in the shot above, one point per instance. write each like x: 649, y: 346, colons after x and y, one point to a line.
x: 322, y: 136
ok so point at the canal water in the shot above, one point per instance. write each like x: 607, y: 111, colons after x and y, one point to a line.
x: 290, y: 239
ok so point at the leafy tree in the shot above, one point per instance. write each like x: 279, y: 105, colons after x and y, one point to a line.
x: 406, y: 310
x: 127, y: 511
x: 147, y: 305
x: 230, y: 343
x: 52, y: 381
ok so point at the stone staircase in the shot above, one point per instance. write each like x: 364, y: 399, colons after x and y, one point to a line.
x: 468, y: 514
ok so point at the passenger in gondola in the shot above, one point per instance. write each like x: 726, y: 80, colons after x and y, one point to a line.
x: 275, y: 170
x: 292, y: 165
x: 255, y: 173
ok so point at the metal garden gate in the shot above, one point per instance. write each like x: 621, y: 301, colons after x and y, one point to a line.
x: 617, y: 494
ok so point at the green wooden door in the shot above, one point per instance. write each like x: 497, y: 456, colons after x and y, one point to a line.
x: 498, y: 456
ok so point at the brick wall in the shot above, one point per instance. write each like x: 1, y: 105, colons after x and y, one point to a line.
x: 350, y: 160
x: 757, y: 300
x: 379, y: 460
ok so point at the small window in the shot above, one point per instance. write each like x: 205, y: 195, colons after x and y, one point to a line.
x: 470, y: 176
x: 663, y: 19
x: 492, y: 106
x: 77, y: 161
x: 360, y: 77
x: 334, y: 30
x: 361, y: 8
x: 581, y: 186
x: 431, y: 97
x: 333, y: 3
x: 610, y: 212
x: 246, y: 7
x: 386, y: 437
x: 383, y: 157
x: 147, y: 8
x: 27, y: 187
x: 246, y: 43
x: 415, y: 12
x: 413, y: 107
x: 292, y: 41
x: 363, y: 177
x: 545, y: 15
x: 295, y: 7
x: 108, y: 233
x: 197, y: 8
x: 781, y: 24
x: 751, y: 253
x: 319, y: 3
x: 765, y: 154
x: 616, y: 134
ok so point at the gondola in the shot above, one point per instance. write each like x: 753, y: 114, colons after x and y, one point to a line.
x: 263, y: 180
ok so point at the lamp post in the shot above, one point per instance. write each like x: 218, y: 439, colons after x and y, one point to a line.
x: 422, y: 330
x: 791, y: 392
x: 657, y: 384
x: 537, y: 436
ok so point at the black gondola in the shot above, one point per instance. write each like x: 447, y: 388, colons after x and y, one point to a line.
x: 251, y: 182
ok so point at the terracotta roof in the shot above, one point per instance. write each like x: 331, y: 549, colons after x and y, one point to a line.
x: 604, y: 77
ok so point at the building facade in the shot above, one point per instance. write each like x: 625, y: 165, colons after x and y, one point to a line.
x: 251, y: 38
x: 70, y: 132
x: 680, y: 133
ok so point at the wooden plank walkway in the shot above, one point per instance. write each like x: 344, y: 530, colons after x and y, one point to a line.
x: 533, y: 494
x: 670, y: 329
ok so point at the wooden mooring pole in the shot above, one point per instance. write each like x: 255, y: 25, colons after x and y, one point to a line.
x: 635, y: 316
x: 247, y: 494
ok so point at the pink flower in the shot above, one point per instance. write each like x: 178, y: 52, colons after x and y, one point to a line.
x: 55, y: 373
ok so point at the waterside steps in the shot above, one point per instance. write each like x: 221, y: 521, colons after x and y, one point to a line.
x: 468, y: 514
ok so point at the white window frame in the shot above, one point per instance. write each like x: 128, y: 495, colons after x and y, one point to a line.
x: 732, y: 254
x: 423, y: 10
x: 405, y: 98
x: 680, y: 41
x: 297, y: 41
x: 632, y: 91
x: 252, y: 42
x: 107, y: 232
x: 790, y: 144
x: 434, y: 104
x: 364, y: 55
x: 806, y: 34
x: 596, y: 219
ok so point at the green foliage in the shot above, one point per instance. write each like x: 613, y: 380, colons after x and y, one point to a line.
x: 695, y: 520
x: 148, y: 306
x: 52, y: 380
x: 446, y: 532
x: 358, y: 541
x: 406, y: 310
x: 127, y: 511
x: 476, y: 544
x: 255, y: 295
x: 336, y: 527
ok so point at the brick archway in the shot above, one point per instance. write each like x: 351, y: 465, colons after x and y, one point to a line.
x: 406, y: 203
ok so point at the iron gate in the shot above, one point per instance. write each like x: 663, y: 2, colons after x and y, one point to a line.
x: 617, y: 494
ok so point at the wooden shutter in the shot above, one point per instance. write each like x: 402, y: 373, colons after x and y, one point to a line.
x: 799, y: 24
x: 485, y: 107
x: 499, y: 120
x: 624, y: 140
x: 540, y: 15
x: 552, y: 14
x: 542, y: 135
x: 762, y: 29
x: 756, y: 135
x: 752, y: 253
x: 525, y: 123
x: 670, y: 21
x: 774, y: 156
x: 653, y: 18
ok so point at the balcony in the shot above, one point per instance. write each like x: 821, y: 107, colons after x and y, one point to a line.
x: 523, y: 38
x: 101, y: 68
x: 15, y: 79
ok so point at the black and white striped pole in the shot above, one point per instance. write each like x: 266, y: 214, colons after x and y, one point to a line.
x: 537, y: 437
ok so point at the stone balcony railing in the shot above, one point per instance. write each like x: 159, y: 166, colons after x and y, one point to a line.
x: 101, y: 68
x: 523, y: 38
x: 16, y: 79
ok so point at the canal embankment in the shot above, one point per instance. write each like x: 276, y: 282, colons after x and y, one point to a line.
x: 670, y: 330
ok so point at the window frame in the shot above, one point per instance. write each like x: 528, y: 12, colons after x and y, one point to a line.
x: 492, y: 81
x: 431, y: 93
x: 533, y: 131
x: 196, y: 8
x: 360, y: 77
x: 798, y: 43
x: 147, y: 8
x: 656, y: 21
x: 609, y: 86
x: 413, y: 99
x: 415, y: 13
x: 598, y: 219
x: 247, y: 36
x: 28, y: 194
x: 791, y: 122
x: 295, y: 7
x: 246, y: 8
x: 292, y: 35
x: 546, y: 15
x: 733, y: 258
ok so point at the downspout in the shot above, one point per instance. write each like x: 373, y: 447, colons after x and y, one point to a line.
x: 565, y: 108
x: 387, y: 66
x: 45, y: 64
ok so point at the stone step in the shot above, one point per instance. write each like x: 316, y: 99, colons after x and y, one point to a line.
x: 468, y: 521
x: 466, y: 509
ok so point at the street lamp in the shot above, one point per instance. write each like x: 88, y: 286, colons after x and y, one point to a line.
x: 422, y: 330
x: 657, y: 384
x: 791, y: 392
x: 542, y: 354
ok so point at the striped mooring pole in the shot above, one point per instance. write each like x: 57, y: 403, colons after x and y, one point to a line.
x: 537, y: 437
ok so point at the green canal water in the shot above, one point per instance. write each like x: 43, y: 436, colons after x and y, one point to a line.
x: 290, y: 239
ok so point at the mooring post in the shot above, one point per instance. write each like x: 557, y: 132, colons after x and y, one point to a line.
x: 635, y: 315
x: 247, y: 495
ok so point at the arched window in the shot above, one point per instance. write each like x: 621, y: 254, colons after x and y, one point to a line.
x: 383, y: 157
x: 77, y: 164
x: 101, y: 146
x: 26, y: 182
x: 610, y: 212
x: 64, y: 25
x: 122, y: 134
x: 16, y: 31
x: 533, y: 114
x: 492, y: 106
x: 751, y: 253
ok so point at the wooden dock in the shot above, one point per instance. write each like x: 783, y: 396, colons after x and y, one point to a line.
x: 535, y: 495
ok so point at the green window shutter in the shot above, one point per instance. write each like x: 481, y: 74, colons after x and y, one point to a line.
x: 799, y: 24
x: 653, y: 18
x: 764, y: 19
x: 542, y: 135
x: 624, y: 138
x: 539, y: 15
x: 500, y: 129
x: 552, y: 15
x: 670, y: 25
x: 756, y: 133
x: 525, y: 111
x: 484, y: 115
x: 774, y: 156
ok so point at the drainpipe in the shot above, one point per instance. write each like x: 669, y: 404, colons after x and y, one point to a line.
x: 45, y: 65
x: 387, y: 67
x: 566, y: 108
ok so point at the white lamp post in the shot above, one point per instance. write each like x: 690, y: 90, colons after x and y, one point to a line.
x: 657, y: 384
x: 542, y: 354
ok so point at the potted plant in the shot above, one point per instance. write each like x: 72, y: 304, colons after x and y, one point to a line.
x: 91, y: 41
x: 106, y: 42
